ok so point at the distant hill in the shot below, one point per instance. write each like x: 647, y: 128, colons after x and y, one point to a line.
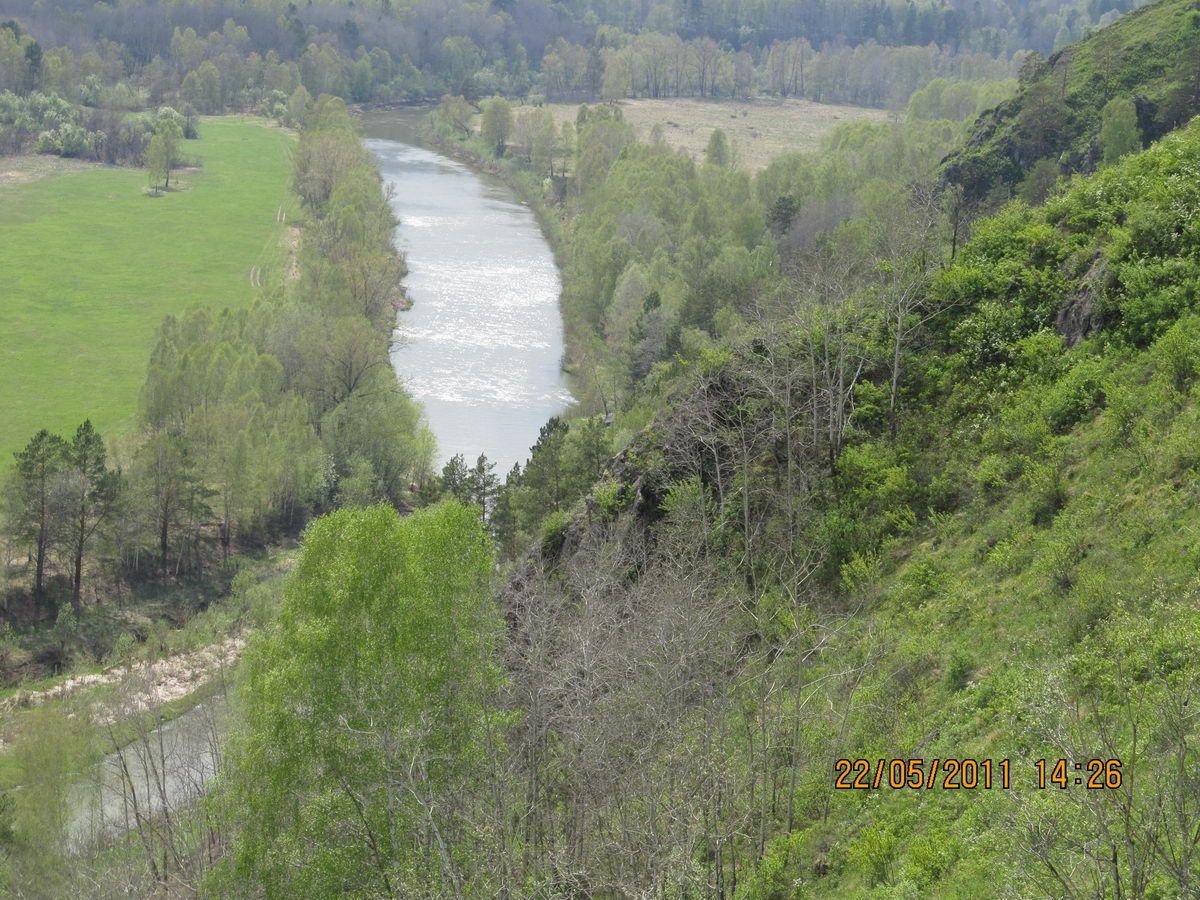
x: 1151, y: 56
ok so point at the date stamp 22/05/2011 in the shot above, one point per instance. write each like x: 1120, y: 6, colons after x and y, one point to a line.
x: 972, y: 774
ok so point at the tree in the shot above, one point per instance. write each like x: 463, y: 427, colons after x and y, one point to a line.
x: 173, y: 495
x: 482, y: 483
x: 716, y: 153
x: 455, y: 477
x: 157, y: 162
x: 1042, y: 119
x: 298, y: 105
x: 541, y: 155
x: 1032, y: 68
x: 907, y: 250
x: 454, y: 114
x: 370, y: 711
x: 497, y: 124
x: 360, y: 486
x: 37, y: 466
x: 163, y: 149
x: 1040, y: 181
x: 1119, y: 129
x: 1183, y: 101
x: 546, y: 473
x: 93, y: 490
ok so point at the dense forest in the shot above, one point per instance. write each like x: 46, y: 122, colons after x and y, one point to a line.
x: 884, y: 452
x: 100, y: 59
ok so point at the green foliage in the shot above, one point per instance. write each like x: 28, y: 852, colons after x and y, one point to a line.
x: 610, y: 496
x: 1040, y: 182
x: 959, y: 668
x: 34, y: 840
x: 874, y: 852
x: 1119, y: 129
x: 496, y: 124
x: 717, y: 152
x: 385, y: 641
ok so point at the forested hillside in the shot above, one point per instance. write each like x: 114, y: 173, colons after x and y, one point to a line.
x: 778, y: 574
x: 1116, y: 91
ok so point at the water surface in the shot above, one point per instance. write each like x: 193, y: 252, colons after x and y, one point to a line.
x: 482, y: 346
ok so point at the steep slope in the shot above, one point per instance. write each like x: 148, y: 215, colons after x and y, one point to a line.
x: 768, y: 581
x: 1151, y: 56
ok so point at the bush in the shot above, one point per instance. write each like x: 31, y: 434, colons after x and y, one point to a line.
x: 875, y: 854
x: 992, y: 476
x: 1073, y: 396
x: 610, y: 496
x: 1046, y: 489
x: 554, y: 531
x: 1176, y: 353
x: 922, y: 581
x: 959, y: 669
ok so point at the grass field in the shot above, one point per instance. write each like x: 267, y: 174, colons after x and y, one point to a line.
x: 90, y: 263
x: 761, y: 128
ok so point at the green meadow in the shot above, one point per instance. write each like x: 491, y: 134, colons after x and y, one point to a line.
x: 90, y: 263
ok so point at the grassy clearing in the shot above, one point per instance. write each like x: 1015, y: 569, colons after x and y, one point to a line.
x: 761, y: 128
x: 91, y: 263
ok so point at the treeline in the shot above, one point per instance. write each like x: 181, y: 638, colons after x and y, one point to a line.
x: 655, y: 65
x: 218, y: 72
x: 997, y: 27
x: 214, y: 58
x: 252, y: 420
x: 47, y: 123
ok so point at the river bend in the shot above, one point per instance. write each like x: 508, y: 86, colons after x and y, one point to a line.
x: 482, y: 346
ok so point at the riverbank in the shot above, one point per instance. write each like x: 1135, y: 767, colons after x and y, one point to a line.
x: 523, y: 184
x: 159, y: 680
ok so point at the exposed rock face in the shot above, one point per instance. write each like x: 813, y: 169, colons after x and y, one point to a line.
x: 1078, y: 317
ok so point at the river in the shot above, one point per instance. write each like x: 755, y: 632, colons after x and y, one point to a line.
x: 482, y: 346
x: 163, y: 771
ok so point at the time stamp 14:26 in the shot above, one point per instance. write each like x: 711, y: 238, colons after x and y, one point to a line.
x: 970, y: 774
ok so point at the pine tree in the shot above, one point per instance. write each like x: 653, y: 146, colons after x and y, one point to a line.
x: 38, y: 465
x: 93, y: 492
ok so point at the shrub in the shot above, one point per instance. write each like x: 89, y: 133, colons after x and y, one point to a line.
x: 875, y: 854
x: 554, y: 531
x: 1046, y: 489
x: 610, y: 496
x: 922, y: 581
x: 992, y: 476
x: 1175, y: 354
x: 959, y: 669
